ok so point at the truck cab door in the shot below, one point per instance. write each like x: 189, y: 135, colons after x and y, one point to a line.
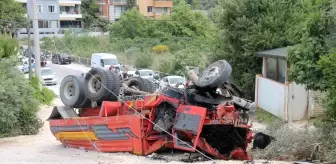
x: 188, y: 126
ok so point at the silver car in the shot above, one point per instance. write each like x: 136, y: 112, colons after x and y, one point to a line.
x: 146, y: 74
x: 48, y: 77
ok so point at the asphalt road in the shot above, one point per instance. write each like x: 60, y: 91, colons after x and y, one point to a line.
x: 65, y: 70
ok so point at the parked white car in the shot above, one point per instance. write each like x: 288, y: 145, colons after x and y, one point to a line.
x: 48, y: 77
x: 146, y: 74
x: 172, y: 81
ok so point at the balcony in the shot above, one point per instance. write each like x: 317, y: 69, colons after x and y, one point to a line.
x: 69, y: 2
x: 70, y: 12
x: 69, y: 16
x: 162, y: 3
x: 119, y: 2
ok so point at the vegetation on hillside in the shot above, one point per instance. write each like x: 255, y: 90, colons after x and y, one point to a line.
x: 18, y: 106
x: 189, y: 38
x: 11, y: 16
x: 91, y: 19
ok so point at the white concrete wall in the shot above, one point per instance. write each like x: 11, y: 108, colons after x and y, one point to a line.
x: 270, y: 96
x: 297, y: 102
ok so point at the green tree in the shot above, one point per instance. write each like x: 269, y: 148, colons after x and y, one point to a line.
x: 18, y: 108
x: 90, y: 10
x: 131, y: 24
x: 12, y: 16
x: 248, y: 27
x: 130, y: 4
x: 8, y: 46
x: 312, y: 30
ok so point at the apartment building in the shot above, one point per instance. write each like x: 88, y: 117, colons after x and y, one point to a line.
x: 54, y: 16
x: 155, y: 8
x: 70, y: 15
x: 112, y: 9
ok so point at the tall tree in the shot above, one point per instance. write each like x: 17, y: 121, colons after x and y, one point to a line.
x: 90, y: 9
x: 12, y: 16
x: 130, y: 4
x: 90, y: 15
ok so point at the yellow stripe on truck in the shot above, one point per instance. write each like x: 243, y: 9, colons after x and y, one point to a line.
x: 76, y: 136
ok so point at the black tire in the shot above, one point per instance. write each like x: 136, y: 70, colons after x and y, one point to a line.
x: 215, y: 74
x: 139, y: 83
x: 100, y: 83
x: 72, y: 92
x: 151, y: 85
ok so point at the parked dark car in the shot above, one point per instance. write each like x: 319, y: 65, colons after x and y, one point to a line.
x: 61, y: 58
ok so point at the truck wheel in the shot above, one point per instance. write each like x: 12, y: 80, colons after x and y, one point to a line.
x: 215, y: 74
x: 151, y: 85
x: 72, y: 92
x: 139, y: 84
x: 100, y: 83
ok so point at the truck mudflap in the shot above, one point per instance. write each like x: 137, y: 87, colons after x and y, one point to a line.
x: 188, y: 126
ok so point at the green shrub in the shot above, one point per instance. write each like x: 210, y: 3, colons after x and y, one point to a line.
x: 18, y: 107
x: 160, y: 49
x: 8, y: 46
x: 144, y: 60
x: 42, y: 94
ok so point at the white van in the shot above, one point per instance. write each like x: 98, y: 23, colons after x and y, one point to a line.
x: 104, y: 60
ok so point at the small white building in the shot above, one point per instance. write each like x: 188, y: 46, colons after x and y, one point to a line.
x: 277, y: 95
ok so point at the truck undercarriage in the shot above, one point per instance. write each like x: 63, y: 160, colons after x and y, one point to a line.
x: 195, y: 119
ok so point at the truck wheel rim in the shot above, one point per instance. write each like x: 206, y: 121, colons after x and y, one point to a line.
x: 95, y: 84
x: 212, y: 72
x: 69, y: 90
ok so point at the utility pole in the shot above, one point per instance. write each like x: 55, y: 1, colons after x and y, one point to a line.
x: 36, y: 41
x: 29, y: 53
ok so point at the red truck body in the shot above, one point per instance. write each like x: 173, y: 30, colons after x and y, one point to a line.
x: 128, y: 127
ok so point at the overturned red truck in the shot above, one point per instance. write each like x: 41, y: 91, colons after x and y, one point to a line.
x: 102, y: 114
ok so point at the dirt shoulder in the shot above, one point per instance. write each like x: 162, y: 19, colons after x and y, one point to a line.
x: 44, y: 149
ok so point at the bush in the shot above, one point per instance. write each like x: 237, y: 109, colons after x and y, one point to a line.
x: 42, y: 94
x: 18, y: 108
x: 143, y: 60
x: 299, y: 143
x: 160, y: 49
x: 8, y: 46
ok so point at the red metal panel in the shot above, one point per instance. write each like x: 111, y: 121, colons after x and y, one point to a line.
x: 109, y: 108
x: 193, y: 111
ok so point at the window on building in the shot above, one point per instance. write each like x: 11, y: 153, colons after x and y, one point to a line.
x: 51, y: 8
x: 161, y: 10
x: 44, y: 24
x: 271, y: 68
x: 149, y: 9
x: 39, y: 7
x: 71, y: 24
x: 282, y: 70
x: 276, y: 69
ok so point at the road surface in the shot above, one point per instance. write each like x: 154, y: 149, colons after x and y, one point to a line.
x: 65, y: 70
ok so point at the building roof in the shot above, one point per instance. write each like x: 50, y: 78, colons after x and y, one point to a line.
x: 274, y: 53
